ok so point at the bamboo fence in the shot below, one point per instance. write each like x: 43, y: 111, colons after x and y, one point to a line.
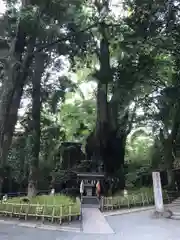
x: 129, y: 201
x: 53, y: 213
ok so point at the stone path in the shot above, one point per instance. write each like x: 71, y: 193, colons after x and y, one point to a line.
x: 93, y: 221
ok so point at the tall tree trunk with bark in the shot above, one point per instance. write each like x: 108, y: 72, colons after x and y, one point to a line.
x: 107, y: 143
x: 36, y: 128
x: 169, y: 144
x: 16, y: 69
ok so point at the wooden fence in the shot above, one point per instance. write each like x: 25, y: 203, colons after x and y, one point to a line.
x: 129, y: 201
x: 53, y: 213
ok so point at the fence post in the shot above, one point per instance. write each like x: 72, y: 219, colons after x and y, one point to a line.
x: 80, y: 217
x: 168, y: 199
x: 133, y: 200
x: 12, y: 211
x: 53, y: 210
x: 27, y: 211
x: 142, y: 197
x: 60, y: 217
x: 21, y: 206
x: 128, y: 201
x: 111, y: 205
x: 102, y: 203
x: 147, y: 198
x: 43, y: 213
x: 70, y: 212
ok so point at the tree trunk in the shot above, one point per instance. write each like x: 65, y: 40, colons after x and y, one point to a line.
x: 10, y: 125
x: 170, y: 178
x: 36, y: 129
x: 12, y: 88
x: 101, y: 130
x: 106, y: 144
x: 170, y: 146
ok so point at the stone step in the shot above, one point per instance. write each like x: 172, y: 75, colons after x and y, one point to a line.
x: 90, y: 206
x: 175, y: 217
x: 90, y: 200
x: 176, y: 212
x: 174, y: 204
x: 176, y: 201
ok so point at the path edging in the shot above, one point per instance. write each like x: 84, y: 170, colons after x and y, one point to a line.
x: 41, y: 226
x: 127, y: 211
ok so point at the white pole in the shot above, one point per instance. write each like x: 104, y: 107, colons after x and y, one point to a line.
x: 158, y: 198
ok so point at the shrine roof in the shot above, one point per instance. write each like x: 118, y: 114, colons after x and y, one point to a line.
x: 90, y: 174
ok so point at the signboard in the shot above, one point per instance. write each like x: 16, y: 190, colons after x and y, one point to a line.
x: 158, y: 198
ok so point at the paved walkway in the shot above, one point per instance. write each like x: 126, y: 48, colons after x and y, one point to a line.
x: 136, y: 226
x: 94, y: 222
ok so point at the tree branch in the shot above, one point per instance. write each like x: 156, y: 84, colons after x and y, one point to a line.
x: 69, y: 35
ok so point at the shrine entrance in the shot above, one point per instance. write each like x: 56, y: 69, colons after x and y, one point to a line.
x: 89, y: 197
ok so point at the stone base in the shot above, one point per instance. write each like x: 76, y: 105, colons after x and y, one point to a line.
x: 168, y: 214
x: 165, y: 214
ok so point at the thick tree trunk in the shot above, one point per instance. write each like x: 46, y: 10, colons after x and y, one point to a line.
x: 11, y: 92
x: 170, y: 178
x: 36, y: 129
x: 101, y: 130
x: 10, y: 125
x: 170, y: 146
x: 106, y: 144
x: 169, y: 159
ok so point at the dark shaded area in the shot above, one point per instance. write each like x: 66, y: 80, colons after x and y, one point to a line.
x: 71, y: 154
x: 145, y: 179
x: 112, y: 153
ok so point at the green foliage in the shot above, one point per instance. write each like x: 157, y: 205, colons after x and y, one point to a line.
x: 139, y: 147
x: 78, y: 119
x: 143, y: 67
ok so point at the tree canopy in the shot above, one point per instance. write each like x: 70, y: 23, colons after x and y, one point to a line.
x: 126, y: 54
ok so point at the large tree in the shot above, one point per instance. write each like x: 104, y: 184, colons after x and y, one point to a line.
x: 32, y: 28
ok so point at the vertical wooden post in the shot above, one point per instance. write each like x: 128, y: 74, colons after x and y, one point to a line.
x: 111, y: 203
x: 167, y: 196
x: 147, y: 198
x: 133, y: 200
x: 27, y: 211
x: 70, y: 213
x: 53, y: 211
x: 60, y: 217
x: 142, y: 197
x: 21, y: 206
x: 102, y: 203
x: 128, y: 201
x: 43, y: 213
x: 12, y: 209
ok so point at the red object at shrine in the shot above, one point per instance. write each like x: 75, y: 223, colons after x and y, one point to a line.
x: 98, y: 187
